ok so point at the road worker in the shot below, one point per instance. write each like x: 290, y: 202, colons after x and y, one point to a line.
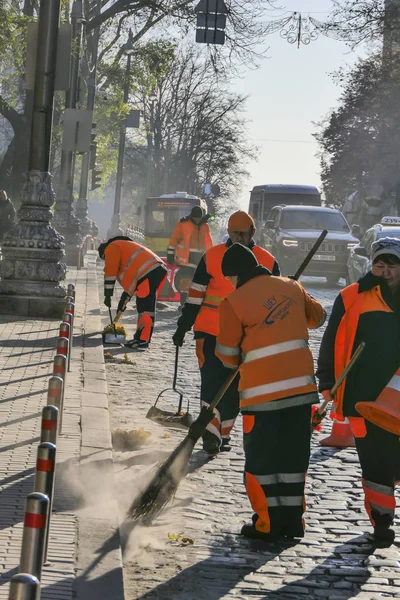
x: 368, y: 311
x: 141, y: 273
x: 207, y: 290
x: 189, y: 240
x: 263, y: 330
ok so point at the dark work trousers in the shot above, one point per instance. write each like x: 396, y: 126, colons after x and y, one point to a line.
x: 379, y: 454
x: 213, y: 375
x: 277, y: 453
x: 146, y: 300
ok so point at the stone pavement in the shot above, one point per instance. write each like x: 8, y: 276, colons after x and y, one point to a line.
x: 84, y: 551
x: 335, y: 560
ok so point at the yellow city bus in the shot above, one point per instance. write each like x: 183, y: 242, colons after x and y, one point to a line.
x: 161, y: 216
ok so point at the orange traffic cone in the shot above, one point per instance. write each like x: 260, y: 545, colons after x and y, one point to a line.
x: 385, y: 411
x: 341, y: 435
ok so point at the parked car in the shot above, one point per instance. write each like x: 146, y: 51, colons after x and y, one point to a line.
x: 359, y: 262
x: 291, y: 231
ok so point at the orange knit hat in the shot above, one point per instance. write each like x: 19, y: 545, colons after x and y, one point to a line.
x: 240, y: 221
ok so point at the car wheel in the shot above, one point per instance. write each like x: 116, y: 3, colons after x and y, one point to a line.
x: 332, y: 279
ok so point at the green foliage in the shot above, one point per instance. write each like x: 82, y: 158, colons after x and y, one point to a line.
x: 360, y: 140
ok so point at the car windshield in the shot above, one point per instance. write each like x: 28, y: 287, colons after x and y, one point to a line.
x: 394, y: 233
x: 307, y: 219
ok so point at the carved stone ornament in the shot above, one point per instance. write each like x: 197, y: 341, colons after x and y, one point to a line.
x: 33, y: 249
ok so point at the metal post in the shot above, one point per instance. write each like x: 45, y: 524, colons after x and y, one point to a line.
x: 64, y: 220
x: 62, y: 346
x: 71, y: 290
x: 54, y: 396
x: 70, y: 309
x: 48, y: 431
x: 82, y: 204
x: 44, y: 480
x: 116, y: 219
x: 34, y: 534
x: 24, y: 587
x: 31, y: 271
x: 60, y: 370
x: 150, y: 152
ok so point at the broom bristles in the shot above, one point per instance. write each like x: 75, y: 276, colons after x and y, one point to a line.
x: 162, y: 488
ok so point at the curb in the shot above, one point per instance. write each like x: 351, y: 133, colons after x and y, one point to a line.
x: 99, y: 560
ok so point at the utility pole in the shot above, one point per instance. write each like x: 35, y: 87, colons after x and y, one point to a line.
x: 64, y: 220
x: 30, y: 269
x: 116, y: 218
x: 82, y: 204
x: 149, y: 186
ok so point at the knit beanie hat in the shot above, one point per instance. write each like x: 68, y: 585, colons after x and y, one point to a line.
x: 386, y: 245
x: 240, y: 221
x: 196, y: 212
x: 238, y: 259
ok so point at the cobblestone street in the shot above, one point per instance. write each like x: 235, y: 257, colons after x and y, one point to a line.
x: 335, y: 560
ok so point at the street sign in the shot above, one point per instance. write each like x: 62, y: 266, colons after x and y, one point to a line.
x: 77, y: 130
x: 64, y: 48
x: 211, y: 21
x: 207, y: 189
x: 133, y: 119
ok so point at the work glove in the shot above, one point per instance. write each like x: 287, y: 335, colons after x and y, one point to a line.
x: 123, y: 302
x: 179, y: 336
x: 317, y: 416
x: 170, y: 259
x: 107, y: 301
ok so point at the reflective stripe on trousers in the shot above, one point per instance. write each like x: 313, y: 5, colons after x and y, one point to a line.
x: 379, y: 499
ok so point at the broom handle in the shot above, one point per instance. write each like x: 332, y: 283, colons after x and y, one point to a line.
x: 119, y: 313
x: 310, y: 255
x: 343, y: 376
x: 224, y: 388
x: 299, y: 271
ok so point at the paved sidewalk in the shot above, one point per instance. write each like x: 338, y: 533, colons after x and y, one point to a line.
x: 78, y: 565
x: 335, y: 560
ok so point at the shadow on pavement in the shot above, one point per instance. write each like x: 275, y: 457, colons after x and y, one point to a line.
x: 219, y: 574
x: 49, y: 342
x: 27, y: 365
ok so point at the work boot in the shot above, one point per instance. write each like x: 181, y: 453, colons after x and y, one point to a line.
x: 225, y: 446
x: 211, y: 447
x: 136, y: 344
x: 250, y: 531
x: 294, y: 532
x: 383, y: 536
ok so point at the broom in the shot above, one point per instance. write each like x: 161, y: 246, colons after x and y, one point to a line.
x: 162, y: 487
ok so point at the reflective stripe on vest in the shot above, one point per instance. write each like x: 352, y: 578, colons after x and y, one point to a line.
x: 270, y: 405
x: 277, y: 386
x: 129, y: 262
x: 273, y: 349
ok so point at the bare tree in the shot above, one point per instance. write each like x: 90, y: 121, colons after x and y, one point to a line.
x: 198, y: 134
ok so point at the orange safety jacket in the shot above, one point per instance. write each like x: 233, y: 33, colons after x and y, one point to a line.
x: 355, y: 304
x: 188, y: 242
x: 210, y: 297
x: 263, y: 328
x: 127, y: 262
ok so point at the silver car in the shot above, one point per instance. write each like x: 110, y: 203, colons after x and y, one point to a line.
x: 359, y: 262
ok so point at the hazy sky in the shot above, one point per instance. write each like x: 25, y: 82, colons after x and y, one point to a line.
x: 291, y: 89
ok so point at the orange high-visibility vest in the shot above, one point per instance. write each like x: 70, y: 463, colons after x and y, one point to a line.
x: 189, y: 239
x: 219, y: 287
x: 264, y: 329
x: 354, y: 305
x: 127, y: 262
